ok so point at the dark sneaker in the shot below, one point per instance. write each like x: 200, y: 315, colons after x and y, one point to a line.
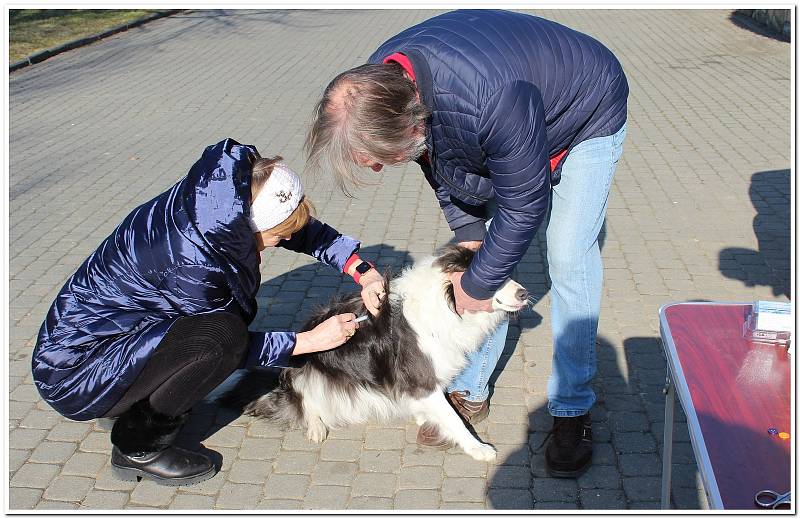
x: 471, y: 412
x: 569, y: 452
x: 172, y: 466
x: 429, y: 436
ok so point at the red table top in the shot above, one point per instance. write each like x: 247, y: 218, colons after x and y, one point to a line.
x: 739, y: 389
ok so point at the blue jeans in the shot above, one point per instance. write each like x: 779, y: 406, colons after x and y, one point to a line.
x: 577, y: 211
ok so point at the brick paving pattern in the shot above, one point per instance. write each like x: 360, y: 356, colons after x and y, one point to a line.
x: 699, y: 210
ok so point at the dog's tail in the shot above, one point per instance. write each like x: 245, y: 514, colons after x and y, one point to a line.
x: 266, y: 394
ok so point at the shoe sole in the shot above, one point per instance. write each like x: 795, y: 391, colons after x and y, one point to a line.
x: 132, y: 474
x: 568, y: 473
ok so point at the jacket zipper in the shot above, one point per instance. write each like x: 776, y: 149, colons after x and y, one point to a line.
x: 432, y: 160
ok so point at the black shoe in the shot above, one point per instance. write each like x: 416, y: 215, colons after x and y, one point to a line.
x: 172, y: 466
x: 569, y: 452
x: 143, y: 448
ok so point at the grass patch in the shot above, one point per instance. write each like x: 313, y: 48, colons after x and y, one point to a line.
x: 33, y: 30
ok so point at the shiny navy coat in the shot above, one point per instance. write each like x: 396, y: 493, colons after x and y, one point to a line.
x: 507, y: 92
x: 190, y: 250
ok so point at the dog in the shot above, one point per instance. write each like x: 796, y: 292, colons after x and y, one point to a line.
x: 398, y: 363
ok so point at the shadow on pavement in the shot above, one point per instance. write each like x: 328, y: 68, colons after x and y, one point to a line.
x: 285, y: 302
x: 626, y: 464
x: 285, y: 17
x: 744, y: 21
x: 770, y: 264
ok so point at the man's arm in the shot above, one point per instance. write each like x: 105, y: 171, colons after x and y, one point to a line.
x: 513, y: 137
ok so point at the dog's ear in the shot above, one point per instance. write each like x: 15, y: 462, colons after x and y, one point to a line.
x: 454, y: 258
x: 450, y: 297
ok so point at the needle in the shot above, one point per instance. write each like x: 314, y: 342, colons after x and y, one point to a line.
x: 362, y: 318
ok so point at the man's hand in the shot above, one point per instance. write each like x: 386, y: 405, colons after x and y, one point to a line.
x: 474, y: 245
x: 327, y: 335
x: 372, y: 292
x: 464, y: 302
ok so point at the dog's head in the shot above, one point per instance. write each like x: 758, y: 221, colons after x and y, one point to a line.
x: 510, y: 297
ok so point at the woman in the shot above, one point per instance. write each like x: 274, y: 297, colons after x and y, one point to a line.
x: 157, y: 316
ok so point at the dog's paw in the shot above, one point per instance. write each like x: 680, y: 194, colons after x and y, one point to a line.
x: 317, y: 431
x: 482, y: 452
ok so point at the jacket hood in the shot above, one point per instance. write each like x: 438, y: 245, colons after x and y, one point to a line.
x: 215, y: 197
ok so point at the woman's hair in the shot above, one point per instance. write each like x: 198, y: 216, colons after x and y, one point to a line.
x: 372, y: 110
x: 262, y: 169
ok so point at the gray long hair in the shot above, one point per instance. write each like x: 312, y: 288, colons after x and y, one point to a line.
x: 371, y: 110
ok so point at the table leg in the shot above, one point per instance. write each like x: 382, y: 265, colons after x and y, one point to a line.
x: 669, y: 423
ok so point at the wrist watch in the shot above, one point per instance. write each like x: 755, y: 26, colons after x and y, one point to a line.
x: 361, y: 269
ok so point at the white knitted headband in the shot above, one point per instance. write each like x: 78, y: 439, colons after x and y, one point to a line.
x: 278, y: 198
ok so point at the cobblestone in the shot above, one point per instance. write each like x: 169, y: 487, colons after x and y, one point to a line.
x: 192, y: 502
x: 510, y: 499
x: 150, y: 494
x: 246, y: 471
x: 416, y: 500
x: 53, y: 452
x: 374, y: 484
x: 380, y: 461
x: 464, y: 489
x: 34, y: 475
x: 420, y: 477
x: 288, y: 486
x: 233, y: 496
x: 104, y: 500
x: 68, y: 488
x: 326, y: 497
x: 23, y: 498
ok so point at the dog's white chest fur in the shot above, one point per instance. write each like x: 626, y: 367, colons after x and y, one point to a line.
x: 443, y: 335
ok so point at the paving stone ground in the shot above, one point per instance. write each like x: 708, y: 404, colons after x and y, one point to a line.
x: 699, y: 209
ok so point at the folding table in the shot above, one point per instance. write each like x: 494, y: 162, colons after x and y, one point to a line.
x: 733, y: 391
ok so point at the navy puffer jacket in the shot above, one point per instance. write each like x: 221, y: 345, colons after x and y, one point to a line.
x: 507, y: 91
x: 188, y: 251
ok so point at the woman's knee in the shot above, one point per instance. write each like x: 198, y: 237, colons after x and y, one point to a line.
x: 222, y: 336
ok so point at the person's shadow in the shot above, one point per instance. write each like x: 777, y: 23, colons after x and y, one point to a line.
x: 770, y: 264
x: 285, y: 302
x: 626, y: 465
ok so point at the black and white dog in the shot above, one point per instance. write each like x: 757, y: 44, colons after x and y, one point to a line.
x: 398, y: 363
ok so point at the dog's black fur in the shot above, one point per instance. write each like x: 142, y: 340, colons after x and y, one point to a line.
x: 382, y: 356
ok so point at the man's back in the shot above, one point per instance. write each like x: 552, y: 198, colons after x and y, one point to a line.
x: 473, y: 53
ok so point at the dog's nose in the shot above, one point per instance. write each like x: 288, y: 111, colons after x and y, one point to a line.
x: 522, y: 294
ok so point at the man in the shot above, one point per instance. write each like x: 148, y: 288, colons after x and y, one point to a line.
x: 508, y: 115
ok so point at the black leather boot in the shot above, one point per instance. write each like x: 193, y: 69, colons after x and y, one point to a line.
x: 143, y: 438
x: 569, y: 453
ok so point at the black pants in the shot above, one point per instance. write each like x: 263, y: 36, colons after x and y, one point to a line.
x: 195, y: 356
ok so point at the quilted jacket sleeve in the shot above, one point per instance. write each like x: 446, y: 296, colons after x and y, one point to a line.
x: 322, y: 242
x: 203, y: 288
x: 512, y: 134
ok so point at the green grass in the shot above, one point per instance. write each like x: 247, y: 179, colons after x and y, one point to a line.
x: 32, y: 30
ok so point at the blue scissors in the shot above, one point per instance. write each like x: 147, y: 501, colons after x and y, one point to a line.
x: 772, y: 499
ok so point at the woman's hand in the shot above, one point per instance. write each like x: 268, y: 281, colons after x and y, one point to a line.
x: 327, y: 335
x: 464, y: 302
x: 372, y: 292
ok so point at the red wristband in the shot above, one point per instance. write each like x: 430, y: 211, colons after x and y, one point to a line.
x: 352, y: 259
